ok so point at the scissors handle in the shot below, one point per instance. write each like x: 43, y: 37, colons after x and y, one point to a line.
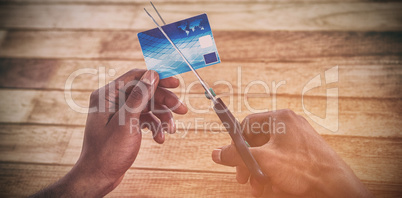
x: 234, y: 129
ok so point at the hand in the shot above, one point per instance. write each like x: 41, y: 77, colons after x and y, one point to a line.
x: 112, y: 137
x: 295, y: 158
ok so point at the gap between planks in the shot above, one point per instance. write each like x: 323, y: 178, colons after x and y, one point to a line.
x: 374, y: 79
x: 354, y: 116
x: 372, y: 158
x: 140, y: 183
x: 239, y: 16
x: 232, y: 46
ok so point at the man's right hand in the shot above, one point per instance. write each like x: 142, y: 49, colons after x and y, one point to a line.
x: 294, y: 156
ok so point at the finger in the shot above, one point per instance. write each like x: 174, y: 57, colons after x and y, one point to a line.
x: 138, y: 98
x: 108, y: 96
x: 256, y: 128
x: 227, y: 156
x: 265, y: 156
x: 113, y: 89
x: 153, y: 124
x: 170, y: 100
x: 115, y: 184
x: 170, y: 82
x: 136, y: 74
x: 242, y: 174
x: 256, y: 188
x: 165, y: 116
x: 276, y: 190
x: 131, y: 75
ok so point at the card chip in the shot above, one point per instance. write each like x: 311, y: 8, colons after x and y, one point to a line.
x: 210, y: 58
x: 205, y: 41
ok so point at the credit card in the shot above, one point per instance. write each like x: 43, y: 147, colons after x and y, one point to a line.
x: 193, y: 37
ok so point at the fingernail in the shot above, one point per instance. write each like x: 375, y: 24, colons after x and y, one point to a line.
x: 149, y: 77
x: 172, y: 126
x: 160, y: 137
x: 163, y: 135
x: 184, y: 106
x: 216, y: 155
x: 183, y: 103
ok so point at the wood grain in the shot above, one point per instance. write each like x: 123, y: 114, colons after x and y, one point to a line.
x: 166, y: 1
x: 42, y: 42
x: 375, y: 78
x: 16, y: 180
x: 190, y: 151
x: 232, y: 46
x: 40, y: 144
x: 234, y: 16
x: 372, y: 117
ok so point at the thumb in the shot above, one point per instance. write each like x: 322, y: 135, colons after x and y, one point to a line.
x: 229, y: 156
x: 139, y: 96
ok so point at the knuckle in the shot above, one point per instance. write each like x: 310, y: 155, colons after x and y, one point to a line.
x: 94, y: 98
x: 227, y: 152
x: 136, y: 94
x: 133, y: 74
x: 302, y: 118
x: 248, y: 117
x: 136, y: 70
x: 246, y: 120
x: 94, y: 95
x: 287, y: 113
x: 254, y: 117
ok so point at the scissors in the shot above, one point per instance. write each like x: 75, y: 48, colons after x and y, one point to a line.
x: 224, y: 114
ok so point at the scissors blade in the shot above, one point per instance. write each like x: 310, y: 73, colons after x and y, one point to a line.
x: 204, y: 85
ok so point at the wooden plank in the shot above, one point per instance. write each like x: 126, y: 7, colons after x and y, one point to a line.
x: 19, y: 109
x: 374, y: 78
x: 21, y: 180
x: 380, y: 190
x: 257, y: 16
x: 164, y: 1
x: 372, y: 159
x: 359, y: 152
x: 369, y: 117
x: 233, y: 46
x: 62, y: 145
x: 41, y: 144
x: 372, y: 110
x: 3, y: 34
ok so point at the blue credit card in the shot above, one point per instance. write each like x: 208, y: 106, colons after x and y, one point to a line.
x: 193, y: 37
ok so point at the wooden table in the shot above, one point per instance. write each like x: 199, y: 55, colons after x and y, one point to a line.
x: 43, y: 42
